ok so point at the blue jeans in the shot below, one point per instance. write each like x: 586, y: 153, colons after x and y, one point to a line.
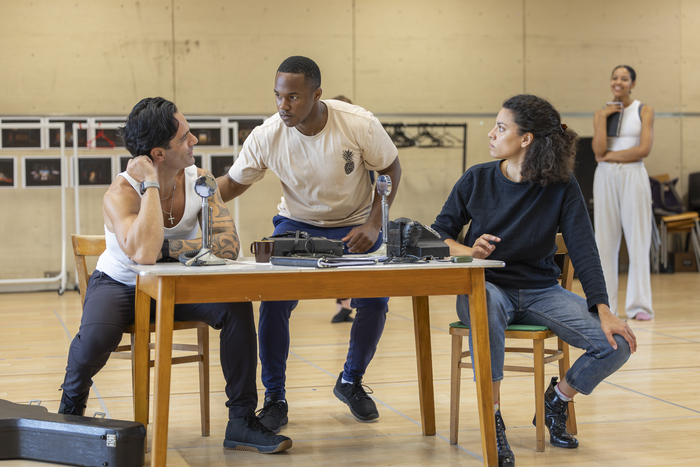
x: 273, y: 328
x: 566, y: 314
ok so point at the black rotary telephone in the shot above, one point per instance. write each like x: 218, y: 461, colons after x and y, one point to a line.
x: 411, y: 238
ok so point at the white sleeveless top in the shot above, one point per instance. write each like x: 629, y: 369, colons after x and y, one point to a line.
x: 630, y: 129
x: 110, y: 262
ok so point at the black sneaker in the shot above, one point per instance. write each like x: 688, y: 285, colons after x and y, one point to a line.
x: 248, y: 434
x: 343, y: 316
x: 73, y: 405
x: 274, y: 413
x: 361, y: 405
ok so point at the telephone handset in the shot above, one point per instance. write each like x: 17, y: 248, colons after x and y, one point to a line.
x: 411, y: 238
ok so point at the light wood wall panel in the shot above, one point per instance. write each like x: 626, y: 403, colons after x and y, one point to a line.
x: 666, y: 154
x: 428, y: 177
x: 690, y: 55
x: 445, y: 56
x: 31, y: 232
x: 445, y: 60
x: 83, y: 57
x: 227, y: 52
x: 256, y: 208
x: 572, y: 47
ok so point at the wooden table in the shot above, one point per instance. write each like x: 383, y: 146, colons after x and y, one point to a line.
x: 172, y: 283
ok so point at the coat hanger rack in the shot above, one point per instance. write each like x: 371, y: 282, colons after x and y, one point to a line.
x: 429, y: 135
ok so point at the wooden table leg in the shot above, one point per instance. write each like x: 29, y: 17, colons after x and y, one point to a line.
x: 421, y: 326
x: 164, y: 349
x: 141, y: 356
x: 482, y: 366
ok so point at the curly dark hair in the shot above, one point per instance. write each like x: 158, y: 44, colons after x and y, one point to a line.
x: 303, y: 66
x: 151, y: 124
x: 551, y: 156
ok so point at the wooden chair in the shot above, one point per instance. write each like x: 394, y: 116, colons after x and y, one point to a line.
x: 94, y: 245
x: 541, y: 356
x: 684, y: 223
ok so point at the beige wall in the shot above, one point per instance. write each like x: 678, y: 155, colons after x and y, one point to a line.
x: 409, y: 60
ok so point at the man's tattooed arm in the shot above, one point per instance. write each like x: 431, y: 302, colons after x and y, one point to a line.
x: 224, y: 239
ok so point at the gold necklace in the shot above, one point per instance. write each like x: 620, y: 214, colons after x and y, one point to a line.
x: 170, y: 213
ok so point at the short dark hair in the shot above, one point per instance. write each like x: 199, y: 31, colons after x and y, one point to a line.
x: 551, y: 156
x: 151, y: 124
x: 633, y: 74
x: 304, y: 66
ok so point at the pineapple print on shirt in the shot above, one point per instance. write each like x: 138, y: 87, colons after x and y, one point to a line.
x: 349, y: 163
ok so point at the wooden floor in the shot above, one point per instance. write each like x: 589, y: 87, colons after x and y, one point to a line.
x: 647, y: 414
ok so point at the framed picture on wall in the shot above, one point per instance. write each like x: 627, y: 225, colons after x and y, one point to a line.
x: 95, y: 171
x: 21, y: 137
x: 55, y: 135
x: 106, y: 137
x: 42, y: 172
x: 220, y: 164
x: 206, y: 136
x: 123, y: 160
x: 8, y: 172
x: 245, y: 127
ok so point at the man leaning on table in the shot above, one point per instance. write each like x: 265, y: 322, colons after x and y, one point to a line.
x: 322, y: 152
x: 152, y: 213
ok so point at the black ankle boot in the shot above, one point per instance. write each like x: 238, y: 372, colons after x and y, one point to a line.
x: 505, y: 454
x: 555, y: 418
x: 74, y: 405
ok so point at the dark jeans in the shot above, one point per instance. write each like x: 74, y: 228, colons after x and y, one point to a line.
x: 273, y: 329
x: 109, y: 308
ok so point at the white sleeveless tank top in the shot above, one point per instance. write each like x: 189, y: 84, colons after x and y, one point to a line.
x: 110, y: 262
x: 630, y: 129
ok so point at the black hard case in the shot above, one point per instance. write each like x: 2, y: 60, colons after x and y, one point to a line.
x: 31, y: 432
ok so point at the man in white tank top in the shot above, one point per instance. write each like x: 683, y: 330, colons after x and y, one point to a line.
x: 151, y: 213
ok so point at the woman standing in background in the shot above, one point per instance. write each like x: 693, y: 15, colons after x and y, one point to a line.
x: 622, y: 193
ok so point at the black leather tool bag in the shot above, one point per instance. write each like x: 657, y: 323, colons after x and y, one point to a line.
x: 301, y: 243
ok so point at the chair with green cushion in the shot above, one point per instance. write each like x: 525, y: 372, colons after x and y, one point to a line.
x: 541, y: 356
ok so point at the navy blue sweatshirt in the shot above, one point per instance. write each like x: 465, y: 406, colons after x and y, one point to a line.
x: 527, y: 218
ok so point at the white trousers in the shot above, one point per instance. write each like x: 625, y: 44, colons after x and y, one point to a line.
x: 622, y: 197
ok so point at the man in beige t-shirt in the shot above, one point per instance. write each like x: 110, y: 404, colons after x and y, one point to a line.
x: 322, y: 152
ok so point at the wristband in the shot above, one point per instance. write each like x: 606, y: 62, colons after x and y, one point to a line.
x: 145, y: 185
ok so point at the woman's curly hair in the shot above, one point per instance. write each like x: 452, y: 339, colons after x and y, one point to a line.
x: 551, y: 156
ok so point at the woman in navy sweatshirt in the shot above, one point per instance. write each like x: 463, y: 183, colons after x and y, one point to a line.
x: 515, y: 206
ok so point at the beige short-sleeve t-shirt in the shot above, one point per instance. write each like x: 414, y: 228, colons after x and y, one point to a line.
x: 325, y: 177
